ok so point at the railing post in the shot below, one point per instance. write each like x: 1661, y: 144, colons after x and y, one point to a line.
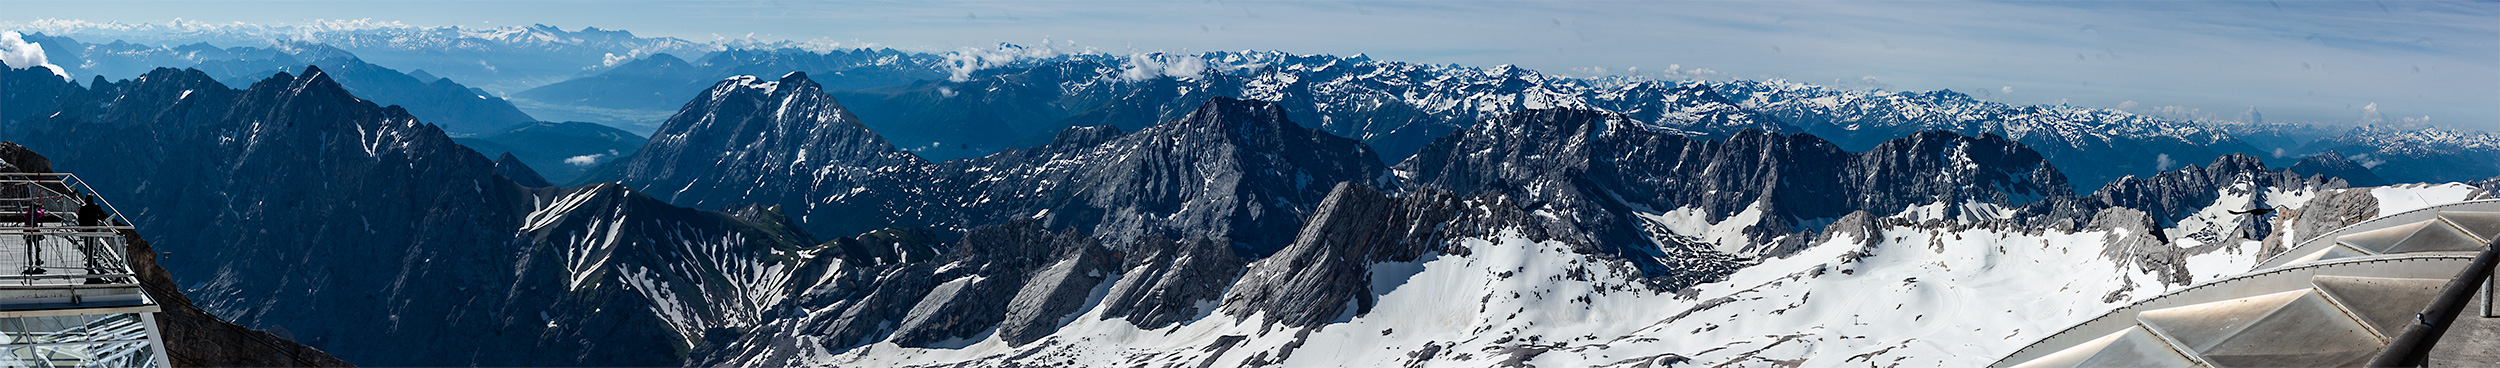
x: 2412, y: 348
x: 2489, y: 285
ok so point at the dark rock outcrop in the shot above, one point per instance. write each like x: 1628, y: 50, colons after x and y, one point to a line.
x: 520, y: 173
x: 2174, y: 195
x: 1597, y: 174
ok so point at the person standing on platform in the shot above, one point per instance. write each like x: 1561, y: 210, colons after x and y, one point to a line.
x: 92, y: 248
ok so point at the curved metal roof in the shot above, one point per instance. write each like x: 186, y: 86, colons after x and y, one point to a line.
x: 2335, y: 300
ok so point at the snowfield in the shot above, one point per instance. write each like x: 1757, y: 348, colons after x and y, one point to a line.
x: 1915, y: 296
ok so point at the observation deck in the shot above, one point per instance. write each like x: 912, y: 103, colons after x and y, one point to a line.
x: 68, y: 296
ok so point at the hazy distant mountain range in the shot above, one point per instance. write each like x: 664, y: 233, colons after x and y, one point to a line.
x: 886, y: 208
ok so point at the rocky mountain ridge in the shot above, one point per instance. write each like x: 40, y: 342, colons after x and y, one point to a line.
x: 377, y: 231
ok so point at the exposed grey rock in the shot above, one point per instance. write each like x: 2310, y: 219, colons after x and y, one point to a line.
x: 2330, y: 210
x: 985, y: 274
x: 1858, y: 225
x: 1232, y: 169
x: 1594, y: 172
x: 869, y: 312
x: 1326, y: 270
x: 1053, y: 294
x: 1169, y: 282
x: 2135, y: 239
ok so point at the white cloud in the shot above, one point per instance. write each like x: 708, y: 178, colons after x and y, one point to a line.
x: 2162, y: 163
x: 1679, y: 72
x: 2128, y: 105
x: 585, y: 160
x: 2006, y: 90
x: 961, y: 63
x: 15, y: 51
x: 2367, y: 161
x: 1149, y: 66
x: 2370, y: 114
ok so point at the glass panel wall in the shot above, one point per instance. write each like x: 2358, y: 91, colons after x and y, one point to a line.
x: 96, y: 340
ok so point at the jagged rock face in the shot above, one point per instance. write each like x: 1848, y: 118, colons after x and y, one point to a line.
x: 2135, y: 238
x: 1983, y: 169
x: 374, y: 230
x: 888, y: 246
x: 1054, y: 294
x: 2173, y: 195
x: 1598, y: 175
x: 2334, y: 165
x: 1014, y: 279
x: 1311, y: 282
x: 1236, y: 170
x: 611, y: 260
x: 748, y: 140
x: 988, y: 272
x: 1169, y: 282
x: 2332, y: 209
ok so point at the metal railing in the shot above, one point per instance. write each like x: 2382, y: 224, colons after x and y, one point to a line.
x: 2412, y: 348
x: 48, y: 238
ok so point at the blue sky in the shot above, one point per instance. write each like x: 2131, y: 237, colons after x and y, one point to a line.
x: 2322, y: 61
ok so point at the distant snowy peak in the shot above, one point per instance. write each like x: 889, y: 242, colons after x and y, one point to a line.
x: 2416, y: 139
x: 356, y: 33
x: 749, y: 139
